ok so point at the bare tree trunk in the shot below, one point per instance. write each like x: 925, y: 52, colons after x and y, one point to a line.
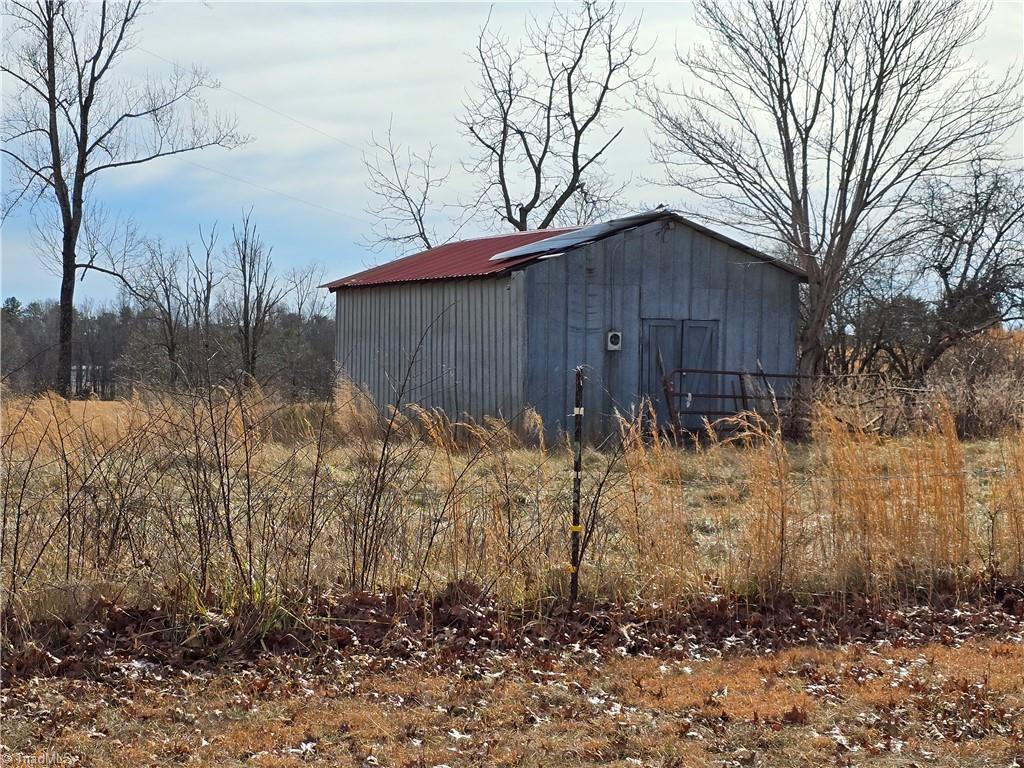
x: 65, y: 329
x: 68, y: 118
x: 812, y: 353
x: 66, y: 309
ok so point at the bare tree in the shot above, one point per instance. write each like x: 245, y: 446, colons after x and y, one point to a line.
x: 162, y: 284
x: 308, y: 298
x: 69, y: 119
x: 538, y: 110
x: 537, y: 118
x: 402, y: 186
x: 970, y: 245
x: 255, y: 293
x: 201, y: 284
x: 811, y: 125
x: 960, y: 274
x: 176, y: 290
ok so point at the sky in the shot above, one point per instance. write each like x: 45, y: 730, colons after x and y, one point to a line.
x: 311, y: 83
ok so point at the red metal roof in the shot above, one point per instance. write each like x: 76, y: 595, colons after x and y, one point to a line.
x: 467, y: 258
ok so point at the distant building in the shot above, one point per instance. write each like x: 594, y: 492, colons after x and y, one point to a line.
x: 92, y: 380
x: 492, y: 325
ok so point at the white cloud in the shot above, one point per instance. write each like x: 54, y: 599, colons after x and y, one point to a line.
x: 345, y: 69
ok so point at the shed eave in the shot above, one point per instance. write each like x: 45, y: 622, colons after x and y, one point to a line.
x: 342, y: 285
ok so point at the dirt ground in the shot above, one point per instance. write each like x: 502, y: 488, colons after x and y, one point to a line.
x: 932, y: 705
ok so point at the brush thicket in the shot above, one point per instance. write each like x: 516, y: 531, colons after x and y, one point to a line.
x: 228, y: 501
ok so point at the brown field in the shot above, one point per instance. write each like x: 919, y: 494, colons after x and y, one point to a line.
x: 174, y: 573
x: 857, y: 706
x: 242, y: 500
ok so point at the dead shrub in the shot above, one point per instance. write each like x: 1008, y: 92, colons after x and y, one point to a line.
x: 226, y: 501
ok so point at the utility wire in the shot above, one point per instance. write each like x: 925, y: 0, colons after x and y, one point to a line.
x: 257, y: 185
x: 267, y: 107
x: 240, y: 180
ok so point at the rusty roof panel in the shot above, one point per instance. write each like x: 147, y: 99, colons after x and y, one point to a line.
x: 467, y: 258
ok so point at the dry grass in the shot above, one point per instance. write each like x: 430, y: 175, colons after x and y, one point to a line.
x: 234, y: 512
x: 227, y: 501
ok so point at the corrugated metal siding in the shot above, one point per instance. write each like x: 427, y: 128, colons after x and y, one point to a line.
x: 650, y: 272
x: 498, y: 343
x: 470, y: 335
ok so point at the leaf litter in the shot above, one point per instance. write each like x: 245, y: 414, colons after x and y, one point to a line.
x: 635, y: 682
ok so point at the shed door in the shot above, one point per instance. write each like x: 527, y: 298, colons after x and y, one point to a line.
x: 661, y: 350
x: 700, y: 390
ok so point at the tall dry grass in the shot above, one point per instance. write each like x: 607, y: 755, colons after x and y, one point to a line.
x: 228, y: 502
x: 892, y: 511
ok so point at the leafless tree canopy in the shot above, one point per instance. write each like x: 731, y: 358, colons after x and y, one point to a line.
x: 403, y: 187
x: 811, y: 125
x: 303, y: 284
x: 162, y: 283
x: 962, y: 277
x: 254, y: 293
x: 539, y: 120
x: 69, y: 118
x: 538, y: 114
x: 972, y: 241
x: 966, y: 261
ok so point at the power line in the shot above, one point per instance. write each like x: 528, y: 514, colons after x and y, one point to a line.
x: 273, y: 191
x: 267, y: 107
x: 257, y: 185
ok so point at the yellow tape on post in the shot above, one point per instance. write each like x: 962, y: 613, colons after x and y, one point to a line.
x: 576, y: 529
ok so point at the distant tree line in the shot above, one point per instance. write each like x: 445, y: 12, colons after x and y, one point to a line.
x: 196, y: 316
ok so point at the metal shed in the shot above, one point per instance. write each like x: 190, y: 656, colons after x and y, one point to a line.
x: 489, y: 326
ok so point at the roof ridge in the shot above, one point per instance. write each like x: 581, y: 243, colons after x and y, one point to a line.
x: 476, y: 257
x: 517, y: 233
